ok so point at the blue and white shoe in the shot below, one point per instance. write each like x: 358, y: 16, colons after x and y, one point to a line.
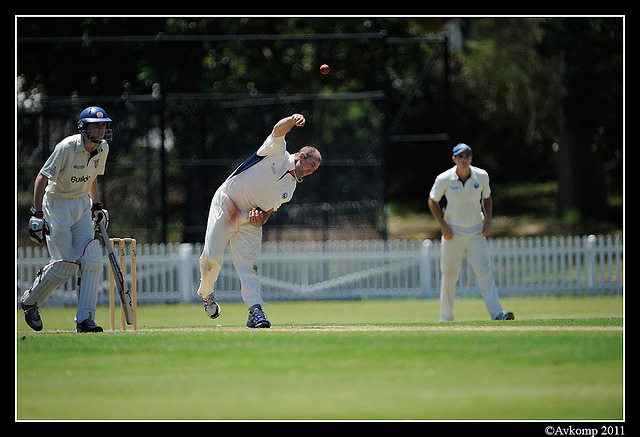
x: 257, y: 318
x: 211, y: 307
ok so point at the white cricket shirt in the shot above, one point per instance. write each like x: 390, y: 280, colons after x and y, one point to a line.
x: 71, y: 169
x: 263, y: 180
x: 463, y: 209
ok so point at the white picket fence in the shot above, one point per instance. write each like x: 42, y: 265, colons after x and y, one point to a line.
x: 540, y: 266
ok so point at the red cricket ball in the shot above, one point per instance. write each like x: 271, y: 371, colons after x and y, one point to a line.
x: 324, y: 69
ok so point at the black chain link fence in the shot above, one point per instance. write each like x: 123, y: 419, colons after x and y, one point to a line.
x: 170, y: 153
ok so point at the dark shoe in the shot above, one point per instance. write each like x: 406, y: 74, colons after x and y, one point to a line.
x: 88, y: 325
x: 32, y: 316
x: 257, y: 318
x: 503, y: 316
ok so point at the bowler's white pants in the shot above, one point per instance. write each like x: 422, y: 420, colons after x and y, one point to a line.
x: 452, y: 251
x: 227, y: 225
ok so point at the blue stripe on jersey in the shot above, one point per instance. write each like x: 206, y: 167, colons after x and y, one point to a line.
x: 248, y: 163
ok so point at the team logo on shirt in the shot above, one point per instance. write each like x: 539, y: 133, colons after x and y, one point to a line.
x: 95, y: 163
x: 285, y: 195
x: 80, y: 179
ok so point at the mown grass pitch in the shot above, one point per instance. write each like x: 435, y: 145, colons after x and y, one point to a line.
x: 561, y: 359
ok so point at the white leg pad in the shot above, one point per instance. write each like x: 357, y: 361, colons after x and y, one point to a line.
x: 91, y: 265
x: 48, y: 279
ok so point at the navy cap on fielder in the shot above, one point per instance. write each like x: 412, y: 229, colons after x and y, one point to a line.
x: 461, y: 147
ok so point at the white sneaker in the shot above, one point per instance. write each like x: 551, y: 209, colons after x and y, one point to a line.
x: 211, y: 307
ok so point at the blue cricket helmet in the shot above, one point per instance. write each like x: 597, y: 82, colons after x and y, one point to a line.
x: 94, y: 114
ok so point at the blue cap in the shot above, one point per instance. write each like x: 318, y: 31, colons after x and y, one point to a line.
x: 461, y: 147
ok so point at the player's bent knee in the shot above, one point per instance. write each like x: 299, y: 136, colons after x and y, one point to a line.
x: 48, y: 279
x: 60, y: 271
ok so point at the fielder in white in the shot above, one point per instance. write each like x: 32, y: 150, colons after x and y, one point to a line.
x: 65, y: 199
x: 241, y: 205
x: 464, y: 228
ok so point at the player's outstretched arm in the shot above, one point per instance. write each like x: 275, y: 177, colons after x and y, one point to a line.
x: 286, y: 124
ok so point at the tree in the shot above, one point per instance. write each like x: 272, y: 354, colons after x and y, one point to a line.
x: 589, y: 56
x: 192, y: 80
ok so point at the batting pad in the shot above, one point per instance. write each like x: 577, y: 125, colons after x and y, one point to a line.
x: 48, y: 279
x: 91, y: 266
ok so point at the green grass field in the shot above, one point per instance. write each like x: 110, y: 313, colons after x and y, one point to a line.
x: 561, y: 359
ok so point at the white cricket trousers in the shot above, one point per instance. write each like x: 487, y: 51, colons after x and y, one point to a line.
x: 452, y: 251
x: 71, y: 242
x: 228, y: 225
x: 71, y: 226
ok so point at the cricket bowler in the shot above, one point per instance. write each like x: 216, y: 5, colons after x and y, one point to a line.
x: 65, y: 199
x: 242, y: 205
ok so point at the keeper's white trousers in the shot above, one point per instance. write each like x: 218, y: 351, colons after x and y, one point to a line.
x: 228, y: 225
x: 474, y: 247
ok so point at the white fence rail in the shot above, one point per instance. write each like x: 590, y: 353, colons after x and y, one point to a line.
x: 540, y: 266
